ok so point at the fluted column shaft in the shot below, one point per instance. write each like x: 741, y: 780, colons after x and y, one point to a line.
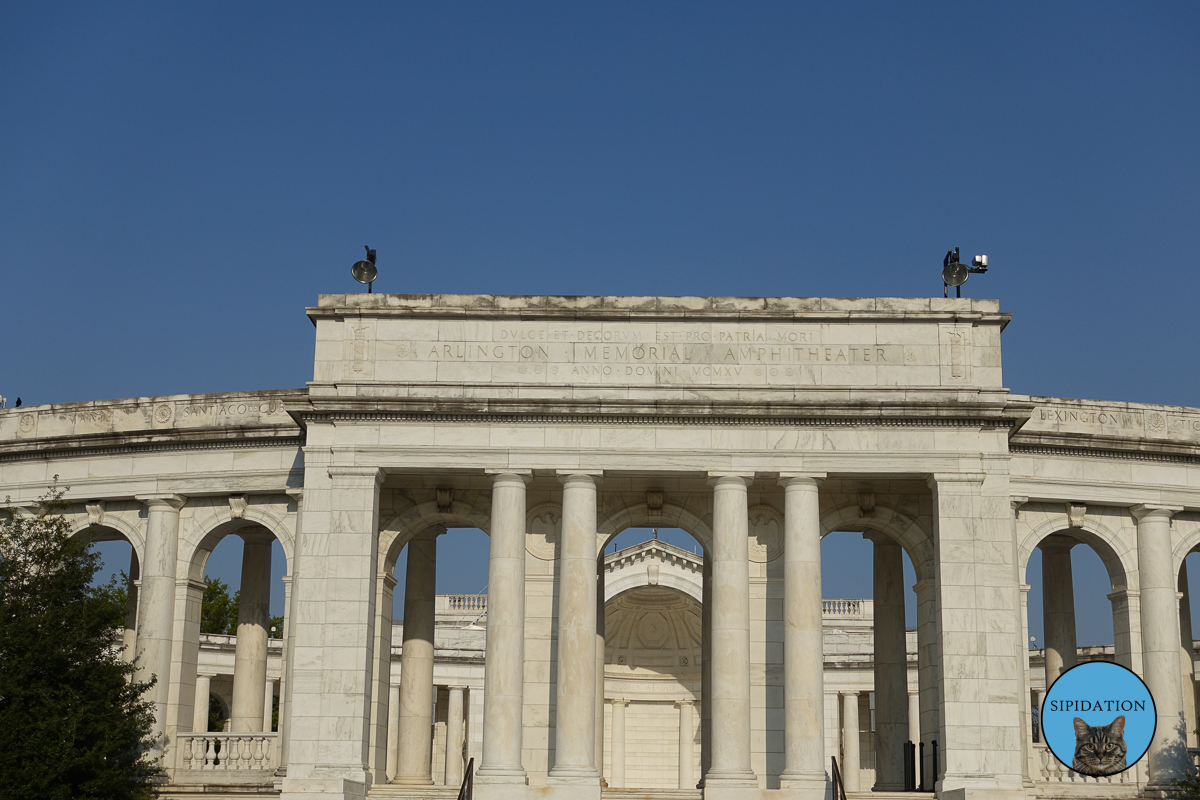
x: 129, y: 639
x: 1186, y: 660
x: 617, y: 770
x: 413, y: 762
x: 575, y: 729
x: 454, y: 736
x: 1167, y: 757
x: 891, y: 665
x: 687, y: 738
x: 504, y: 664
x: 850, y: 758
x: 598, y: 759
x: 254, y: 614
x: 1058, y: 607
x: 803, y: 658
x: 393, y: 733
x: 200, y: 709
x: 156, y: 599
x: 730, y: 635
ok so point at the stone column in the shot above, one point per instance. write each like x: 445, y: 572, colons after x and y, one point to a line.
x: 393, y: 734
x: 1058, y: 606
x: 156, y: 601
x: 454, y: 736
x: 1186, y: 658
x: 1039, y: 696
x: 914, y: 729
x: 891, y: 665
x: 706, y: 651
x: 289, y: 640
x: 413, y: 763
x: 334, y: 628
x: 928, y: 683
x: 976, y: 589
x: 250, y: 653
x: 575, y: 728
x: 687, y: 738
x: 730, y: 635
x: 200, y: 709
x: 617, y: 769
x: 598, y: 759
x: 1167, y: 757
x: 850, y: 761
x: 504, y: 662
x: 268, y: 716
x: 129, y: 640
x: 803, y: 656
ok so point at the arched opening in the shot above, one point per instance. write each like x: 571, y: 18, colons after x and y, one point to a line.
x: 119, y: 562
x: 439, y: 598
x: 240, y: 571
x: 869, y: 614
x: 1077, y: 609
x: 653, y: 678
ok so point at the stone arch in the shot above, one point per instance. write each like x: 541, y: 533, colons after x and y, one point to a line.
x: 908, y: 533
x: 1104, y: 541
x: 669, y: 575
x: 216, y: 522
x: 81, y: 524
x: 1185, y: 547
x: 468, y: 511
x: 671, y: 515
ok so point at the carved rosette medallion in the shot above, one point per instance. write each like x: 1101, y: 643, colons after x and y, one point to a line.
x: 163, y: 413
x: 766, y: 534
x: 545, y: 527
x: 27, y: 423
x: 1156, y: 422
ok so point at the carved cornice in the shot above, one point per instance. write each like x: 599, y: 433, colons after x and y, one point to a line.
x: 149, y: 447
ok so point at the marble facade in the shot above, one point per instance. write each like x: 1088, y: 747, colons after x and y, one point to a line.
x: 757, y: 425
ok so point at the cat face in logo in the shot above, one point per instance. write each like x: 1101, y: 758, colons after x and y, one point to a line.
x: 1099, y: 749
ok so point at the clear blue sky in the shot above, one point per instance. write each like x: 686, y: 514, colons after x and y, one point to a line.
x: 177, y: 181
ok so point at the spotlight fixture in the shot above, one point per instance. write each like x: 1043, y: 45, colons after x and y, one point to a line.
x: 955, y: 273
x: 364, y: 271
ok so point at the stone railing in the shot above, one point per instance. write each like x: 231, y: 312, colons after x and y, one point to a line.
x: 239, y: 752
x: 851, y: 608
x: 466, y: 602
x: 1053, y: 771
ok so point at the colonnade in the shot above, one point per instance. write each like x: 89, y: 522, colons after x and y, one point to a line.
x: 1162, y: 607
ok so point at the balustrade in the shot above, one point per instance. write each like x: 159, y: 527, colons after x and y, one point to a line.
x: 232, y: 751
x: 1053, y: 771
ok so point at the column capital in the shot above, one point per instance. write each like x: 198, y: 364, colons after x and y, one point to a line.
x: 1016, y: 502
x: 880, y: 538
x: 1024, y: 587
x: 432, y: 532
x: 502, y: 476
x: 849, y: 694
x: 389, y: 580
x: 1122, y: 594
x: 162, y: 501
x: 618, y: 701
x: 801, y: 480
x: 948, y: 480
x: 1057, y: 543
x: 1153, y: 511
x: 579, y: 476
x: 685, y: 703
x: 296, y: 493
x: 353, y: 471
x: 735, y: 479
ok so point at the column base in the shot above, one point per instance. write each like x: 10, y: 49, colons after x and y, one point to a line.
x: 805, y: 785
x: 323, y: 789
x: 401, y: 780
x: 733, y: 779
x: 563, y: 787
x: 981, y: 793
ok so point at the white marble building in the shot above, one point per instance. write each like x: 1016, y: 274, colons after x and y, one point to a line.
x: 553, y: 424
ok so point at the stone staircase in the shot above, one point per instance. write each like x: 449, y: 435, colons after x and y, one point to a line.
x: 650, y: 794
x: 393, y: 792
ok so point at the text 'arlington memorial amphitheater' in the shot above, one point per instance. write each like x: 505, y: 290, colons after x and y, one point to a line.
x: 756, y: 425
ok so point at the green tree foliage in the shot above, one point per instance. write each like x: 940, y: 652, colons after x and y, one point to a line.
x: 219, y: 611
x: 73, y: 723
x: 275, y: 628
